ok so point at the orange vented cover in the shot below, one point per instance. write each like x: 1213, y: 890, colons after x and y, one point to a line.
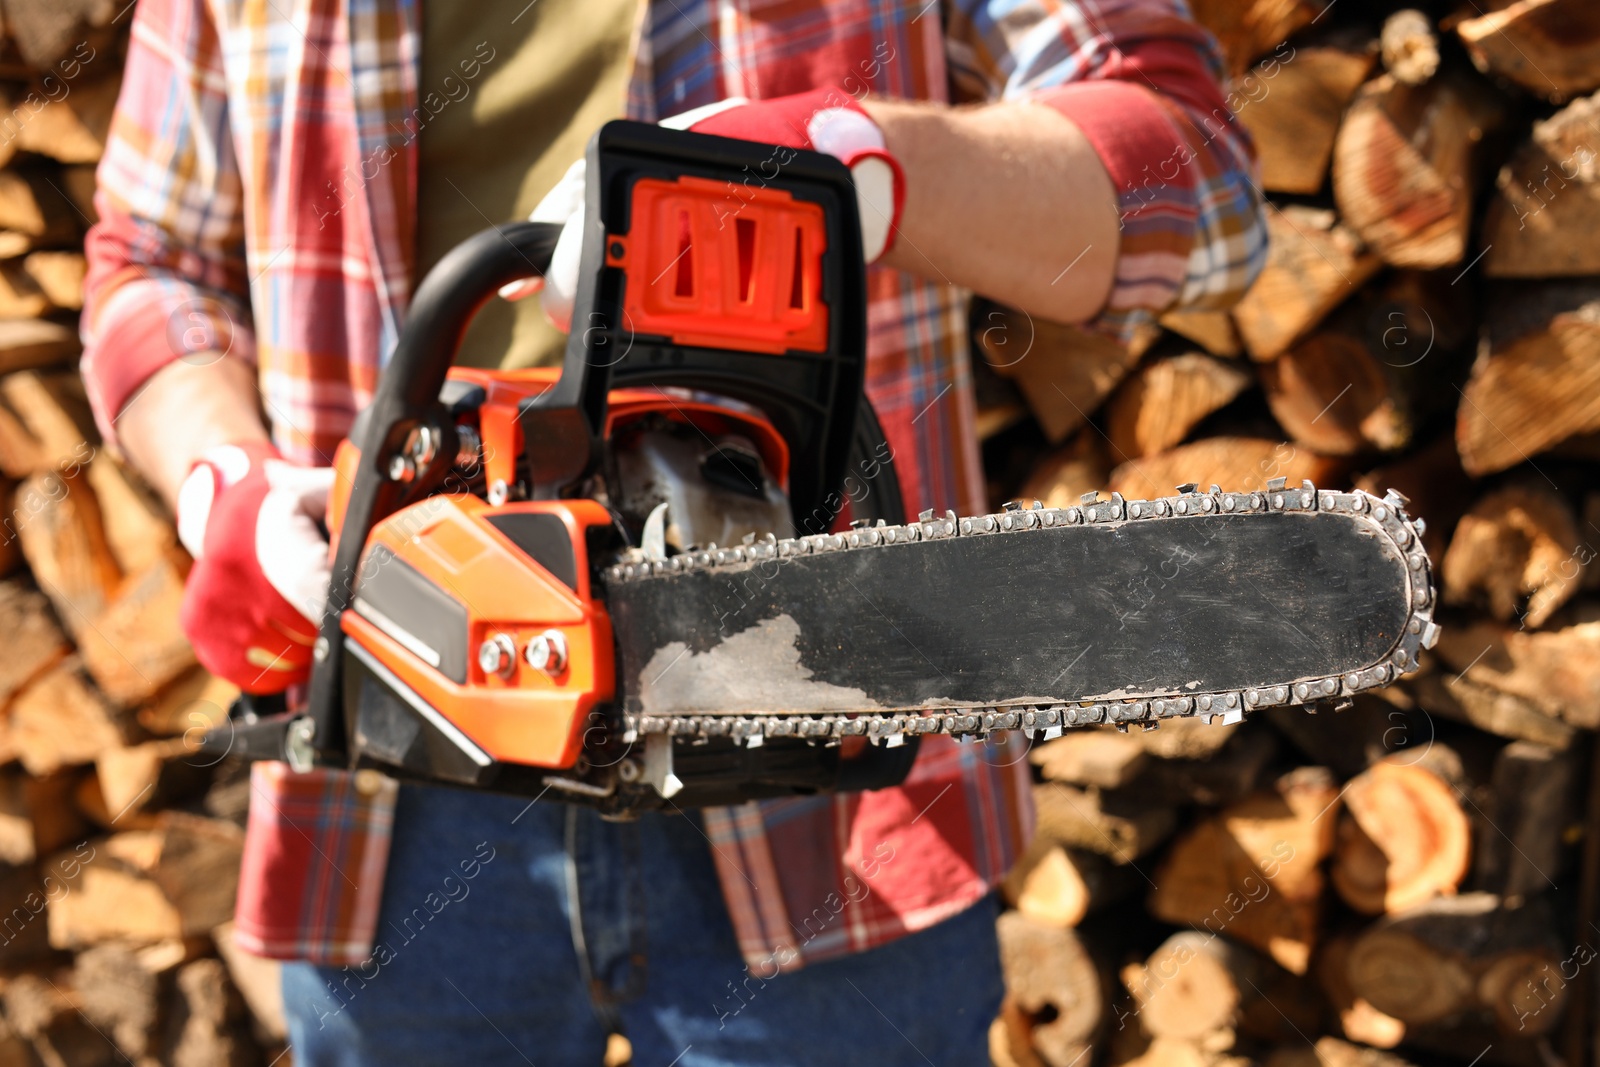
x: 721, y: 265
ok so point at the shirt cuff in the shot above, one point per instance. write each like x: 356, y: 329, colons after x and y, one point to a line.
x: 1150, y: 162
x: 147, y: 323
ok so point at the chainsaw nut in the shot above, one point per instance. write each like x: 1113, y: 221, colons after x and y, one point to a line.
x: 497, y: 655
x: 547, y: 653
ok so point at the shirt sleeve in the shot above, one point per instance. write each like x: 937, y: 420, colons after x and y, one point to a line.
x: 1143, y: 82
x: 166, y: 263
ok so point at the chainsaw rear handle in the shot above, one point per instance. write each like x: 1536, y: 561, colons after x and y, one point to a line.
x: 407, y: 399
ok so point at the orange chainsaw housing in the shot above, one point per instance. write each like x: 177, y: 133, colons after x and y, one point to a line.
x: 457, y: 549
x: 711, y: 389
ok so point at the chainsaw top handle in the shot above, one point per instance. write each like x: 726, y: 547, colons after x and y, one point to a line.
x: 706, y: 263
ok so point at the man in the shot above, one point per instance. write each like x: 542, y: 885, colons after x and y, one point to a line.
x: 277, y: 180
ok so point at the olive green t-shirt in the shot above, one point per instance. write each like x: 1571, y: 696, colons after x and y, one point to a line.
x: 511, y: 92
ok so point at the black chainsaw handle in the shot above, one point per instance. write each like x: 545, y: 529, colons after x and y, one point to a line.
x: 407, y: 397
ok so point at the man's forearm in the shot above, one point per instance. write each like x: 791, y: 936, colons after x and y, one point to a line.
x: 1009, y: 200
x: 185, y: 408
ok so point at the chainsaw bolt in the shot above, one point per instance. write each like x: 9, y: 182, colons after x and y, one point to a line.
x: 497, y: 655
x: 401, y: 468
x: 547, y: 653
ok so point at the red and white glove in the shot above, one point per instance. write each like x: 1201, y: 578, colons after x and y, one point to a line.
x: 252, y: 522
x: 825, y: 120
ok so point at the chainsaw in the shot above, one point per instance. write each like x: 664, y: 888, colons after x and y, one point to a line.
x: 676, y: 570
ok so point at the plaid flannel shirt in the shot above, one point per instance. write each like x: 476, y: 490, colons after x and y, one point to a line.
x: 257, y: 196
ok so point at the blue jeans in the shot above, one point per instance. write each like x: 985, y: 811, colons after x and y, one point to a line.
x: 476, y: 960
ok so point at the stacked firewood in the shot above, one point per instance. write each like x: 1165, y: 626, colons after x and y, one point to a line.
x: 119, y: 841
x: 1413, y: 879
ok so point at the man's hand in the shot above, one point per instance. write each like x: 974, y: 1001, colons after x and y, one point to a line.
x: 260, y: 579
x: 826, y: 120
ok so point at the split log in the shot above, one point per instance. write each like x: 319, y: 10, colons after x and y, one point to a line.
x: 1547, y: 196
x: 10, y: 552
x: 1538, y: 381
x: 1185, y: 762
x: 136, y: 645
x: 47, y: 1011
x: 24, y: 900
x: 138, y: 530
x: 1453, y: 957
x: 1237, y: 464
x: 1409, y: 47
x: 1226, y: 776
x: 1176, y: 1052
x: 189, y: 706
x: 26, y: 345
x: 1197, y: 985
x: 79, y: 183
x: 1091, y: 756
x: 169, y: 883
x: 1188, y: 738
x: 1517, y: 553
x: 73, y: 128
x: 1248, y: 28
x: 198, y: 869
x: 34, y: 642
x: 121, y: 996
x: 1060, y: 479
x: 20, y: 295
x: 1551, y: 48
x: 1253, y: 870
x: 1521, y: 848
x: 1555, y: 670
x: 1008, y: 1037
x: 1211, y: 330
x: 12, y: 244
x: 1333, y: 395
x: 1358, y: 1019
x: 29, y: 205
x: 14, y: 1051
x: 1352, y: 740
x: 209, y: 1024
x: 155, y: 774
x: 1403, y: 838
x: 91, y: 804
x: 1403, y: 165
x: 1059, y: 886
x: 1123, y: 828
x: 44, y: 422
x: 1452, y: 696
x: 59, y: 276
x: 37, y: 817
x: 1063, y: 372
x: 1055, y: 1002
x: 61, y: 720
x: 65, y: 34
x: 259, y: 980
x: 1331, y: 1052
x: 1295, y: 120
x: 1434, y: 483
x: 1313, y: 263
x: 65, y: 546
x: 1157, y: 407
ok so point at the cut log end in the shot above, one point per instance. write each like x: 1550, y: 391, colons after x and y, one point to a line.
x: 1404, y: 838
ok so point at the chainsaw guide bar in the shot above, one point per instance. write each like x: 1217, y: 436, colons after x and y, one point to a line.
x: 1204, y: 604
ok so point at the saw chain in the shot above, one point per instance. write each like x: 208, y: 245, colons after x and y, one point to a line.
x: 1384, y: 518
